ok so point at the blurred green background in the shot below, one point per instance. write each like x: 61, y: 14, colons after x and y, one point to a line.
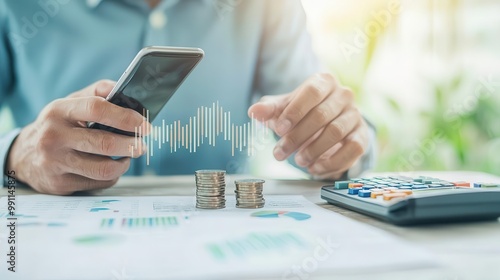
x: 426, y: 72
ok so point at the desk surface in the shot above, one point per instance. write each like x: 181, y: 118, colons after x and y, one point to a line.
x: 466, y: 251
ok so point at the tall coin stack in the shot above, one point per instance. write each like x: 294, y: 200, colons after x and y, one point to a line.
x: 249, y: 193
x: 210, y: 189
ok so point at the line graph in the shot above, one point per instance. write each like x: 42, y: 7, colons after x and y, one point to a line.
x: 210, y: 125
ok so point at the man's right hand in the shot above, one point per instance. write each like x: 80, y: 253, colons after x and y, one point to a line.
x: 58, y: 154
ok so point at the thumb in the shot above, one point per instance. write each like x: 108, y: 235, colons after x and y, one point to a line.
x: 101, y: 88
x: 269, y: 107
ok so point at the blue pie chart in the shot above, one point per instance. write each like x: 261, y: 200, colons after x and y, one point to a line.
x: 298, y: 216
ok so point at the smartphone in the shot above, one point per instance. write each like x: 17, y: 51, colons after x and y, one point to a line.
x: 151, y: 80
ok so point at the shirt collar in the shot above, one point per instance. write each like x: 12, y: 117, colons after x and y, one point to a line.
x: 92, y: 4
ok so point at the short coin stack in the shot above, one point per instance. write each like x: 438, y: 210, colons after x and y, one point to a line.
x: 249, y: 193
x: 210, y: 189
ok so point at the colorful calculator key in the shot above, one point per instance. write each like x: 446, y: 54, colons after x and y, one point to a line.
x: 420, y: 187
x: 390, y: 196
x: 402, y: 191
x: 376, y: 194
x: 490, y: 185
x: 354, y: 191
x: 364, y: 193
x: 355, y: 185
x: 462, y: 184
x: 340, y: 185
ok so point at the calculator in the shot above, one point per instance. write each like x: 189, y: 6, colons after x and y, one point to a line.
x: 405, y: 200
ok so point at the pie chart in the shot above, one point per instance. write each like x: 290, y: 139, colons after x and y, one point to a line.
x: 298, y: 216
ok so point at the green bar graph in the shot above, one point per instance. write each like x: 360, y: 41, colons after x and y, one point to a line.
x: 147, y: 222
x: 142, y: 222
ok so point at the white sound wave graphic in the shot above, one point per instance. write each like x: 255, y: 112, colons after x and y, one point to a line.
x: 209, y: 124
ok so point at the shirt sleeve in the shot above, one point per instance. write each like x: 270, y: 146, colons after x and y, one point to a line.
x: 6, y: 83
x: 287, y: 59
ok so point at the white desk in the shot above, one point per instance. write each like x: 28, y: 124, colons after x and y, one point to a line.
x: 466, y: 251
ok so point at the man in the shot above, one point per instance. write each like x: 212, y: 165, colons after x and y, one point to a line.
x: 52, y: 52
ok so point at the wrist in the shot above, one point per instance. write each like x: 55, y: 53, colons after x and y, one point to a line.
x: 16, y: 156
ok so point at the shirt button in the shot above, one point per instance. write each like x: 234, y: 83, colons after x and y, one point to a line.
x: 158, y: 20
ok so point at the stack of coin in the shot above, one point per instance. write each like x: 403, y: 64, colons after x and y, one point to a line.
x: 249, y: 193
x: 210, y: 189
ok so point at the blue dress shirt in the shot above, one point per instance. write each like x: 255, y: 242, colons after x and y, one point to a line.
x: 51, y: 48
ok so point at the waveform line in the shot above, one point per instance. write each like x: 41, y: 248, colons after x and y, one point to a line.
x: 208, y: 124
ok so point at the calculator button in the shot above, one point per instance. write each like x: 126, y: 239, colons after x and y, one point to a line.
x: 355, y: 185
x: 389, y: 196
x: 419, y: 187
x: 462, y: 184
x: 364, y: 193
x: 402, y: 191
x: 354, y: 191
x: 340, y: 185
x: 376, y: 194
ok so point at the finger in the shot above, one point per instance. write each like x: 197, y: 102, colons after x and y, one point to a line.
x: 309, y: 95
x: 268, y: 108
x: 105, y: 143
x: 100, y: 88
x: 352, y: 149
x: 97, y: 109
x: 333, y: 133
x: 330, y: 152
x: 310, y: 125
x: 67, y: 184
x: 95, y: 167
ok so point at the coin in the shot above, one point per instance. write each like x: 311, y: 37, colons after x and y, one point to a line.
x: 210, y: 189
x: 249, y: 193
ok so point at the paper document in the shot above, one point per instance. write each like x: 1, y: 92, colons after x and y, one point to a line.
x: 168, y: 238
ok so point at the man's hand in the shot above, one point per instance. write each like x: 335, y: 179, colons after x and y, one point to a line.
x: 320, y: 122
x: 58, y: 154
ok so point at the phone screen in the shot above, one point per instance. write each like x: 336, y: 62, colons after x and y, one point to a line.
x: 151, y: 83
